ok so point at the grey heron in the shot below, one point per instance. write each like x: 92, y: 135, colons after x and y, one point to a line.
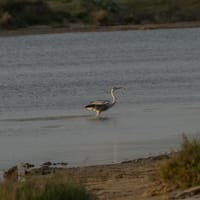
x: 102, y: 105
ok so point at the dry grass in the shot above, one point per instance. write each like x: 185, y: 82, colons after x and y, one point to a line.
x: 58, y: 186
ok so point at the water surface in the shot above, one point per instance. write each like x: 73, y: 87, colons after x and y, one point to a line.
x: 45, y: 81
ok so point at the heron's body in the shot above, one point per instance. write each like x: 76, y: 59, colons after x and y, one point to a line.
x: 102, y: 105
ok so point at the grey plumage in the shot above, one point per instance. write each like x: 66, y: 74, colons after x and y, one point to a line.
x: 102, y: 105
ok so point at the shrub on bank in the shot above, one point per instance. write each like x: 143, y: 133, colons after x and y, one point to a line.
x: 182, y: 170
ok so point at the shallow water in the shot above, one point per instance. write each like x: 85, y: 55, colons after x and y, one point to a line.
x: 46, y: 80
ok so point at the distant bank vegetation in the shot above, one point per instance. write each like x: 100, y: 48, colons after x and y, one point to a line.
x: 25, y: 13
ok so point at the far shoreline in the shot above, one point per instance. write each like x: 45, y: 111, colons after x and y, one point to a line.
x: 77, y: 28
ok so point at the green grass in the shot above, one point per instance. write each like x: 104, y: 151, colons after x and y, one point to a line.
x: 182, y: 170
x: 53, y: 187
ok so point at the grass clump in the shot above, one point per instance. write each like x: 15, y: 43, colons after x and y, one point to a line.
x: 182, y: 170
x: 54, y: 187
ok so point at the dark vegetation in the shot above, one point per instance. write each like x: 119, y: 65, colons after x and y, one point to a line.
x: 182, y: 170
x: 25, y: 13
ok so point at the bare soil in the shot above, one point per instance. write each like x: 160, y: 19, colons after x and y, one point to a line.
x: 136, y: 179
x: 133, y: 180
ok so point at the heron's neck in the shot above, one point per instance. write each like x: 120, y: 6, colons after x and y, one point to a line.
x: 113, y: 97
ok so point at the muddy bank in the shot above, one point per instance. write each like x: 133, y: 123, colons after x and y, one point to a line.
x: 91, y: 28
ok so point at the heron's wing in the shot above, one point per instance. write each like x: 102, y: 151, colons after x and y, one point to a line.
x: 100, y: 102
x: 99, y: 105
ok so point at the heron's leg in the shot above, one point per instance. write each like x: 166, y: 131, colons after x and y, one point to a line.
x: 98, y: 114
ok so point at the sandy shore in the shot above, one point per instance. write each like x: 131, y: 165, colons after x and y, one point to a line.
x: 136, y: 179
x: 125, y: 181
x: 132, y: 180
x: 90, y: 28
